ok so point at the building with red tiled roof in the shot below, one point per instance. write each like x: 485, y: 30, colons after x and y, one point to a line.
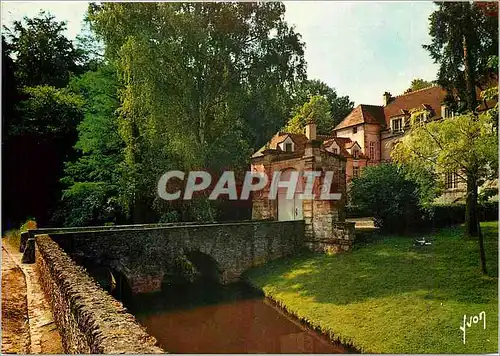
x: 376, y: 129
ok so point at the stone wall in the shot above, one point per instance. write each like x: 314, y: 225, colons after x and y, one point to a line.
x: 89, y: 319
x: 340, y: 239
x: 145, y: 256
x: 324, y: 229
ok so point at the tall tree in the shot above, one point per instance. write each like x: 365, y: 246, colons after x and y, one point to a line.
x: 192, y: 74
x: 38, y: 144
x: 317, y: 109
x: 10, y: 99
x: 417, y: 84
x: 340, y: 106
x: 463, y: 36
x: 465, y: 145
x: 43, y: 54
x: 92, y: 180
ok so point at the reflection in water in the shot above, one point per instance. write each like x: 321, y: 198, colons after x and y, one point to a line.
x: 209, y: 318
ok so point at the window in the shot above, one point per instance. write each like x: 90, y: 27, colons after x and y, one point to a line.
x: 451, y: 180
x: 335, y: 151
x: 354, y: 129
x: 355, y: 171
x: 355, y: 154
x: 423, y: 117
x: 397, y: 125
x: 288, y: 147
x: 372, y: 150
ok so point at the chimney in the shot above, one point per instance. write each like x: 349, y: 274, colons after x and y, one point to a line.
x: 310, y: 129
x: 387, y: 98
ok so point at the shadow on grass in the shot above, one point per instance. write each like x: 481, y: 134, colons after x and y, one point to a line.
x: 385, y: 266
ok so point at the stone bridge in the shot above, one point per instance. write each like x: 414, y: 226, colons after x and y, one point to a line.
x: 148, y: 255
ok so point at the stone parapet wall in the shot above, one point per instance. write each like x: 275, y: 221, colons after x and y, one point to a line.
x: 145, y: 256
x: 339, y: 239
x: 89, y: 319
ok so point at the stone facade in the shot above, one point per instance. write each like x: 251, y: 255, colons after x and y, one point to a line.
x: 323, y: 219
x: 89, y: 319
x: 147, y: 255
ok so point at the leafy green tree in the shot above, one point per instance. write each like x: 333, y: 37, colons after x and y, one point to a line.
x: 387, y: 193
x: 43, y: 55
x: 417, y: 84
x: 463, y: 36
x: 40, y: 141
x: 191, y: 74
x: 340, y: 106
x: 466, y: 145
x: 317, y: 109
x: 48, y: 113
x: 10, y: 92
x: 92, y: 180
x: 10, y: 100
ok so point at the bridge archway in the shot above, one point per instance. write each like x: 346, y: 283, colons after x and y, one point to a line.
x: 207, y: 267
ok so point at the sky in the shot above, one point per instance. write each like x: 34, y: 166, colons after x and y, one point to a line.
x: 361, y: 49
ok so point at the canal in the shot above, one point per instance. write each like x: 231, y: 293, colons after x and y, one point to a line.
x: 206, y: 317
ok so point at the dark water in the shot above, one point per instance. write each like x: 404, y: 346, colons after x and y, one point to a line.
x: 210, y: 318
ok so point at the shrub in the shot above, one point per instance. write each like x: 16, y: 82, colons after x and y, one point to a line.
x: 13, y: 237
x: 440, y: 215
x: 386, y: 192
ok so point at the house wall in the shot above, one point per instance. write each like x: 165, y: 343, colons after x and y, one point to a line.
x: 359, y: 137
x: 372, y: 134
x: 388, y: 139
x: 350, y: 164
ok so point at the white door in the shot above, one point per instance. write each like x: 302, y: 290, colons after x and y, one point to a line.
x: 286, y: 207
x: 289, y: 209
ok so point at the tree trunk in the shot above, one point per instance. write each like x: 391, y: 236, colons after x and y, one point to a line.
x: 469, y: 77
x: 471, y: 215
x: 472, y: 227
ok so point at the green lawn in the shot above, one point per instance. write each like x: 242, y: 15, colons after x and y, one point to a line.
x: 389, y: 297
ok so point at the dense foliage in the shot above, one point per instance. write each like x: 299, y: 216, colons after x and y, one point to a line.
x: 203, y: 85
x: 317, y: 109
x: 44, y: 56
x: 464, y: 37
x: 465, y: 145
x: 146, y: 88
x: 40, y: 117
x: 389, y: 194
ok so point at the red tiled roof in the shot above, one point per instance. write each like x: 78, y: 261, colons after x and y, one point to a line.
x: 299, y: 140
x: 344, y: 143
x: 430, y: 98
x: 369, y: 114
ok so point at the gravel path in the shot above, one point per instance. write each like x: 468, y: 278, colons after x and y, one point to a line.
x: 43, y: 336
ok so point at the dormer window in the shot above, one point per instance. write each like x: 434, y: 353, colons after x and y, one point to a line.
x: 335, y: 150
x: 397, y: 124
x: 422, y: 116
x: 287, y: 145
x: 355, y: 154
